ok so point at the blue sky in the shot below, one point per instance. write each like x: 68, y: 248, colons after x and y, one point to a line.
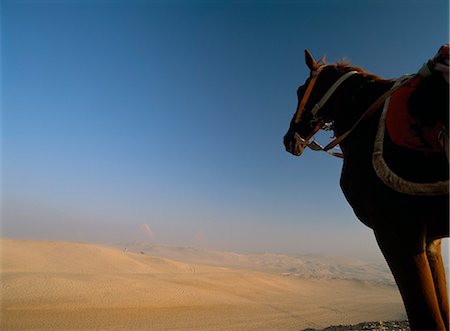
x: 171, y: 114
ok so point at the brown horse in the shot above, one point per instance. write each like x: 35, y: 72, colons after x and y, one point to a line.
x: 407, y: 227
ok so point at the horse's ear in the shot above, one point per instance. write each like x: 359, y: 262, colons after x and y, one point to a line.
x: 323, y: 59
x: 310, y: 62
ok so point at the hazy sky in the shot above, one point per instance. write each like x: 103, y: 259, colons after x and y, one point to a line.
x: 164, y: 119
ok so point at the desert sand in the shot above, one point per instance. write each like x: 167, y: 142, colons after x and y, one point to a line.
x: 51, y: 285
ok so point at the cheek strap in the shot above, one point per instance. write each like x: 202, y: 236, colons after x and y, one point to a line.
x: 330, y: 92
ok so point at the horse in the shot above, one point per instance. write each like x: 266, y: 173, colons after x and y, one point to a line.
x: 408, y: 227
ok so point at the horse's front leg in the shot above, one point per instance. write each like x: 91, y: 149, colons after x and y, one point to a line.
x: 435, y: 261
x: 406, y: 256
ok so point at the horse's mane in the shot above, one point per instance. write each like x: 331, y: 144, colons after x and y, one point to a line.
x: 345, y: 66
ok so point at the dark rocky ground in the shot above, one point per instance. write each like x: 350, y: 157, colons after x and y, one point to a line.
x: 372, y: 326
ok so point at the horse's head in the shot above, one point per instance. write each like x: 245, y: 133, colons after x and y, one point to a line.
x: 313, y: 112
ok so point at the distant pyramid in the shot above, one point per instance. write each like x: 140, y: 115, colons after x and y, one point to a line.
x: 144, y: 234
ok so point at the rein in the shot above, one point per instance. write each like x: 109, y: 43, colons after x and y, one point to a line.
x: 312, y: 144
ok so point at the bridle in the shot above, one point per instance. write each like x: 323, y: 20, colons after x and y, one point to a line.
x: 321, y: 124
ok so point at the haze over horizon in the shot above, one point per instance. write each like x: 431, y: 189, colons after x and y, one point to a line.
x: 165, y: 119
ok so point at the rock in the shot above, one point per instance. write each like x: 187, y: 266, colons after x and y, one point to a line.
x: 372, y: 326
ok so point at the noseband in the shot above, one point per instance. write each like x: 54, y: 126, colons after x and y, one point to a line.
x: 315, y: 110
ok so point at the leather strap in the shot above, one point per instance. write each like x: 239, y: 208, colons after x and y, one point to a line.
x: 330, y: 92
x: 369, y: 112
x: 309, y: 88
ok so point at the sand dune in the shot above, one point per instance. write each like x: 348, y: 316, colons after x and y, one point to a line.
x: 304, y: 266
x: 69, y: 286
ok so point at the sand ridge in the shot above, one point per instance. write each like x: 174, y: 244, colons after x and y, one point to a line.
x: 308, y: 266
x: 50, y: 285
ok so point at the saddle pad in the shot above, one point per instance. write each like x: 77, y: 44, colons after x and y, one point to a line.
x: 406, y: 130
x: 393, y: 166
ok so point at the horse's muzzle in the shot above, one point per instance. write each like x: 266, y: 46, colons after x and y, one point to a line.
x: 294, y: 144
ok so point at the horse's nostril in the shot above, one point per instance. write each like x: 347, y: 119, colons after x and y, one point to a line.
x: 292, y: 146
x: 286, y: 140
x: 287, y: 145
x: 289, y: 142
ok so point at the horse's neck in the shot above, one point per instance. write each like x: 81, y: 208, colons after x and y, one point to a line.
x: 352, y: 105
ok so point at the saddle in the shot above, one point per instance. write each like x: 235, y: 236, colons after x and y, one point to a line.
x: 409, y: 130
x: 408, y: 154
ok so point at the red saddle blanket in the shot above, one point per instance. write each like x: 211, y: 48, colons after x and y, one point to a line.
x: 405, y: 129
